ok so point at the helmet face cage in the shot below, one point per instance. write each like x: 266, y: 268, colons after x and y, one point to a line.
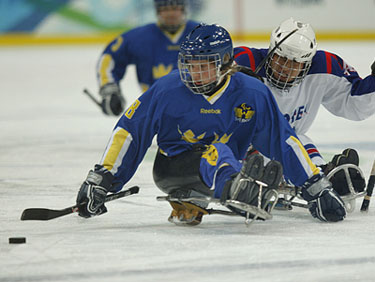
x: 284, y: 73
x: 205, y: 55
x: 291, y: 61
x: 169, y: 3
x: 200, y: 73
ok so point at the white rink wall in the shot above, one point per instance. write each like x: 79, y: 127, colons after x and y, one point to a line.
x: 250, y: 19
x: 263, y: 16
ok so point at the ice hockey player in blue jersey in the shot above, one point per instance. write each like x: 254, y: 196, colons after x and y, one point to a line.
x: 152, y: 48
x: 205, y: 116
x: 302, y: 78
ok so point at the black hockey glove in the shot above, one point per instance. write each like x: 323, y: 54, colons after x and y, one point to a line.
x: 324, y: 203
x: 373, y: 68
x: 113, y: 102
x: 91, y: 195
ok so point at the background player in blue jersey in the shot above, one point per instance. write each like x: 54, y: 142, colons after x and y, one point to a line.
x: 152, y: 48
x: 302, y: 78
x: 205, y: 116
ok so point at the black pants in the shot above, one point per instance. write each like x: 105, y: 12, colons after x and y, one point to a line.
x: 180, y: 172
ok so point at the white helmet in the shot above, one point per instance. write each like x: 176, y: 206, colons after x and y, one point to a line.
x: 299, y: 47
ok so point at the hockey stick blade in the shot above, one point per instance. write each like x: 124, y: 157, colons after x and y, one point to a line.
x: 47, y: 214
x: 88, y: 93
x: 370, y: 188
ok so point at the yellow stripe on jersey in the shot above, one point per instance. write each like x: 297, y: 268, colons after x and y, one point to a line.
x: 104, y: 69
x: 303, y: 156
x: 221, y: 90
x: 116, y: 149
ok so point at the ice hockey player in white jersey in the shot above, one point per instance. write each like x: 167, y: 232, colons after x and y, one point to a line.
x: 152, y: 48
x: 205, y: 116
x: 302, y: 78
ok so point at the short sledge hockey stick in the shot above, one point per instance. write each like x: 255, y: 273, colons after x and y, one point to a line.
x: 88, y: 93
x: 250, y: 72
x: 270, y: 53
x: 47, y: 214
x: 370, y: 188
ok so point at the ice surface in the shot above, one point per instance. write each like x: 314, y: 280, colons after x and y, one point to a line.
x: 51, y: 135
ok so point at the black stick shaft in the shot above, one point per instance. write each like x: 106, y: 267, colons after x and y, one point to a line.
x: 88, y: 93
x: 270, y: 53
x: 370, y: 188
x: 47, y: 214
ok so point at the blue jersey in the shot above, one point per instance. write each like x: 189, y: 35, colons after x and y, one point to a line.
x: 152, y: 51
x: 242, y: 112
x: 330, y: 82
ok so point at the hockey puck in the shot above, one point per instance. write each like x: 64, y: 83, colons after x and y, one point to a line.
x: 17, y: 240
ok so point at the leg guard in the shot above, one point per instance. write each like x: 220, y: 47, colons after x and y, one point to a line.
x: 179, y: 177
x: 255, y: 186
x: 180, y: 172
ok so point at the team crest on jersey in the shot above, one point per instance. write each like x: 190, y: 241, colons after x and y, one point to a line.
x: 161, y: 70
x: 190, y: 137
x: 223, y: 139
x: 243, y: 113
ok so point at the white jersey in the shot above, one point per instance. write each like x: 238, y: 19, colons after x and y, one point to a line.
x: 330, y: 82
x: 301, y: 104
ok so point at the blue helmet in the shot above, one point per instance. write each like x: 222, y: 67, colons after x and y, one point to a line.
x: 207, y: 46
x: 163, y: 3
